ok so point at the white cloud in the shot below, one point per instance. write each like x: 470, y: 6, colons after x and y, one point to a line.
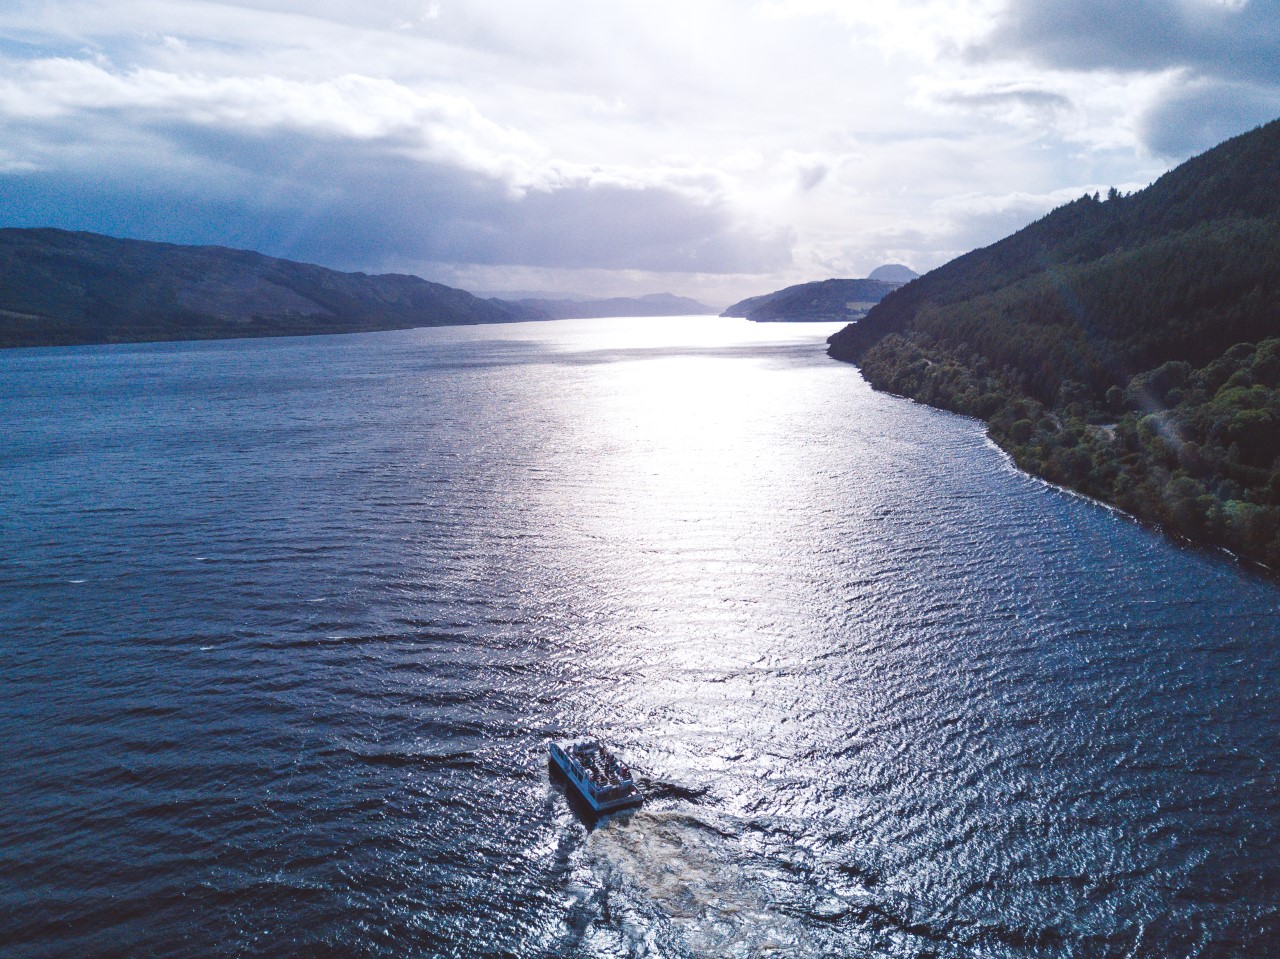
x: 924, y: 29
x: 10, y: 164
x: 730, y: 136
x: 436, y: 127
x: 1024, y: 206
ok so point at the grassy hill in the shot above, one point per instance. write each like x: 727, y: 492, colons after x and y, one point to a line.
x: 60, y: 288
x: 1126, y: 346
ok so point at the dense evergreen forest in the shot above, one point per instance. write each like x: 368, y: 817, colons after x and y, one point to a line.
x: 1125, y: 346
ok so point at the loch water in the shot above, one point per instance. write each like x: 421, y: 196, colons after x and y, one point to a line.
x: 286, y: 626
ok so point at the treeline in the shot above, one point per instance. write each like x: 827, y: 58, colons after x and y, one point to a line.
x: 1190, y: 296
x: 1238, y: 180
x: 1127, y: 347
x: 1196, y: 451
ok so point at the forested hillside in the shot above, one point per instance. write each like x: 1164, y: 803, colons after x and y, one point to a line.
x: 1125, y: 346
x: 652, y: 304
x: 60, y: 288
x: 822, y: 300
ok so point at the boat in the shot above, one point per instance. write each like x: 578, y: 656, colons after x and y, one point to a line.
x: 601, y: 777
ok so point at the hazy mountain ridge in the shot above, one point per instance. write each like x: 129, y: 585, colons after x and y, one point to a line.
x: 893, y: 273
x: 821, y: 300
x: 651, y: 304
x: 1122, y: 347
x: 61, y: 288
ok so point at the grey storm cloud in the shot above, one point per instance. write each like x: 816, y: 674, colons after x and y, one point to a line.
x: 1235, y: 41
x: 1036, y: 100
x: 348, y: 203
x: 1227, y: 50
x: 1207, y: 113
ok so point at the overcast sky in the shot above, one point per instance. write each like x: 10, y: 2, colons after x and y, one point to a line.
x: 715, y: 148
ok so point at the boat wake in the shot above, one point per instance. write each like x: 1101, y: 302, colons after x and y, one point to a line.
x: 695, y: 876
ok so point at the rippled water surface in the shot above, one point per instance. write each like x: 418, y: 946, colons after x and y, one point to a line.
x: 287, y: 625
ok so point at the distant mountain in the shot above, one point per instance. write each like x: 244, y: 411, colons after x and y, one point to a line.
x: 652, y: 304
x: 59, y: 288
x: 530, y: 295
x: 1128, y: 347
x: 893, y: 273
x: 823, y: 300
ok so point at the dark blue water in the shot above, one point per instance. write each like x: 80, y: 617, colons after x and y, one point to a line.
x: 287, y: 624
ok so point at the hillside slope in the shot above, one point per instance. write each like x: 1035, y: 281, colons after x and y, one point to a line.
x: 822, y: 300
x: 59, y: 288
x: 651, y: 304
x: 1125, y: 347
x: 893, y: 273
